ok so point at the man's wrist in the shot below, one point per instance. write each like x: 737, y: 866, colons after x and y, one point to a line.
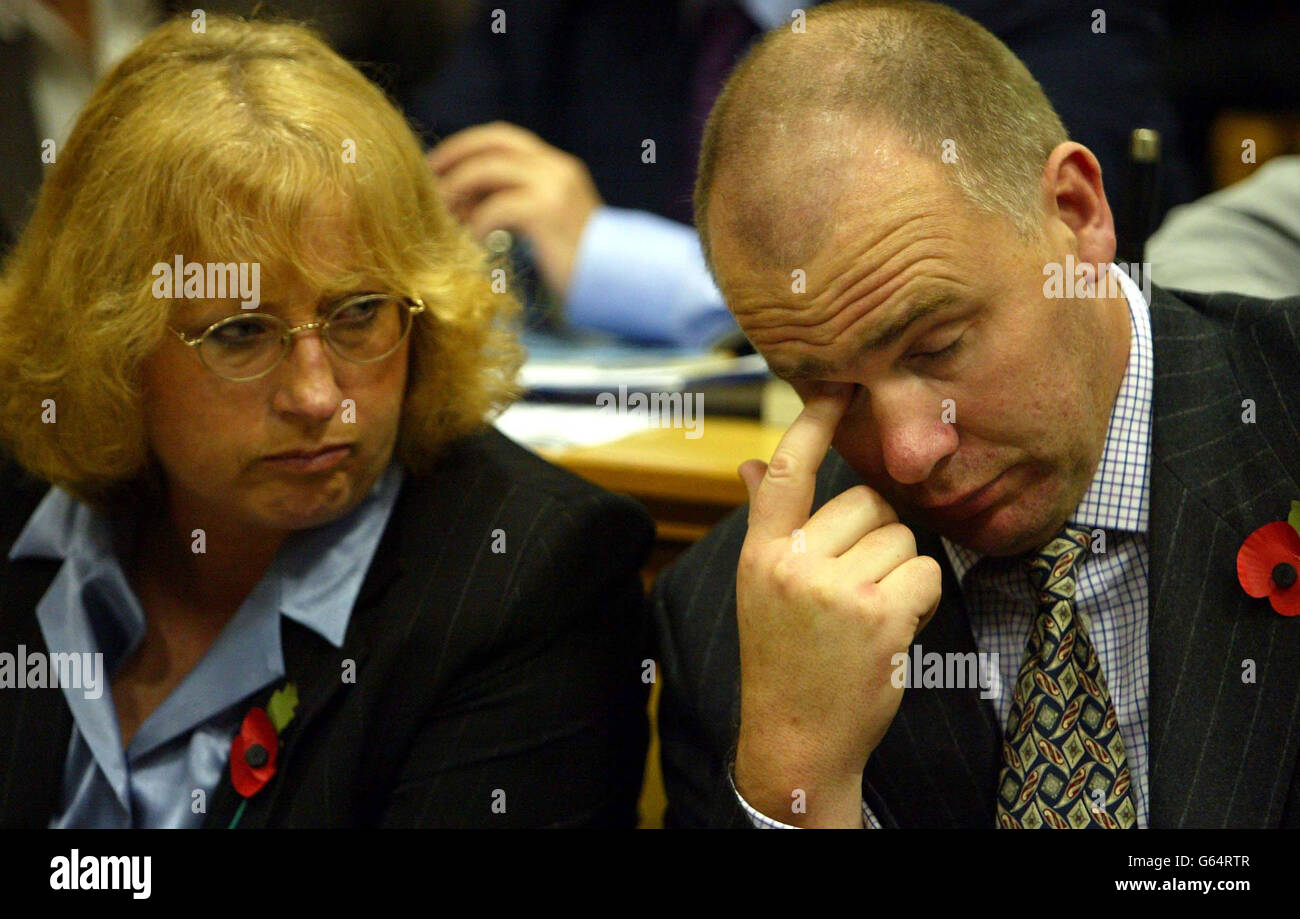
x: 797, y: 797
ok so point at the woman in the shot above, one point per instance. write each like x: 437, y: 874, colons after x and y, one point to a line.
x: 255, y: 356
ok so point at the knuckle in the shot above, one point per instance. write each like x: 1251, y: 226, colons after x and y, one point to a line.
x: 750, y: 559
x: 883, y: 508
x: 785, y: 574
x: 825, y: 593
x: 902, y: 536
x: 876, y: 506
x: 859, y: 494
x: 784, y: 465
x: 872, y: 610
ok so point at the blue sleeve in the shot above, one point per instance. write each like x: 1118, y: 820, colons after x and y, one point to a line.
x: 643, y: 276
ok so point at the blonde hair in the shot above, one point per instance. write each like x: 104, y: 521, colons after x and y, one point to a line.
x: 922, y: 70
x: 220, y: 145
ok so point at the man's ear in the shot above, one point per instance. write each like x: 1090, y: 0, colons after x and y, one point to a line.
x: 1073, y: 194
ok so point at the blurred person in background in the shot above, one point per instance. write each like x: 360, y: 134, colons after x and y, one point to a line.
x: 575, y: 125
x: 319, y: 587
x: 1244, y: 238
x: 52, y: 52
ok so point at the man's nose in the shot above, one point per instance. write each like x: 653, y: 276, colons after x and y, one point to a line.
x: 916, y: 431
x: 307, y: 384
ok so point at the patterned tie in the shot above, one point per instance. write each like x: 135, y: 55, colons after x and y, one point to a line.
x: 1063, y: 762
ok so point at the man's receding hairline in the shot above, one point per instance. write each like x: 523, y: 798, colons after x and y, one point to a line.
x: 756, y: 98
x: 765, y: 61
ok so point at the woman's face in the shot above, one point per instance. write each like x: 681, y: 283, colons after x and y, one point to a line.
x: 214, y: 437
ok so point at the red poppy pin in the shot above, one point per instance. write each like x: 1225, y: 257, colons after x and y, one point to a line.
x: 257, y: 743
x: 1268, y: 563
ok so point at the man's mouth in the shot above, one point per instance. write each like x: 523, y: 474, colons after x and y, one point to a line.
x: 969, y: 503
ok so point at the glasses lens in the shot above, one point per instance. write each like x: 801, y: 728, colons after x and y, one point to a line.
x: 368, y: 328
x: 242, y: 346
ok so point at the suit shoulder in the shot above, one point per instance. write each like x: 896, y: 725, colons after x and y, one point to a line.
x: 485, y: 488
x: 1202, y: 323
x: 712, y: 558
x: 496, y: 462
x: 1229, y: 312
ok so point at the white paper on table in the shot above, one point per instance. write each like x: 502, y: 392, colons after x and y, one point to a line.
x: 543, y: 425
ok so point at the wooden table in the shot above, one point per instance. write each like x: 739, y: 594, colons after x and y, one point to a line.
x: 688, y: 486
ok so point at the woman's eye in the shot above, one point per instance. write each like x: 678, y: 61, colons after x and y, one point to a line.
x: 358, y: 313
x: 237, y: 333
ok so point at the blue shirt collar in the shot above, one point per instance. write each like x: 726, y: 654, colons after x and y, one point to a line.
x: 310, y: 567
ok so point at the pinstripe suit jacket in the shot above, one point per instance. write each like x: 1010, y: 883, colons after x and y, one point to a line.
x: 1222, y: 751
x: 475, y: 670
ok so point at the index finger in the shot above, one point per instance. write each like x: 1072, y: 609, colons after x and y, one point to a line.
x: 499, y: 135
x: 783, y: 501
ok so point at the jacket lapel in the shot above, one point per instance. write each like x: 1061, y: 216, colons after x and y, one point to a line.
x: 1222, y: 740
x: 314, y: 666
x: 428, y: 510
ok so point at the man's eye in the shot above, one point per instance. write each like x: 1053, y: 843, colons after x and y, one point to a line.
x: 942, y: 352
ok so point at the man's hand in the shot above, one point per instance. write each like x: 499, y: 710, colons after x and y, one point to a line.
x: 824, y: 603
x: 500, y: 176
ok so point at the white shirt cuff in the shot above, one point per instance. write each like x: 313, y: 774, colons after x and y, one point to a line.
x: 763, y: 822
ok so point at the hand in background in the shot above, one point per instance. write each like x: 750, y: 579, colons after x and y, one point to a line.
x: 500, y: 176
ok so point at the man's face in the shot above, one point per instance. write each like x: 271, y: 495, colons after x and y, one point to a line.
x: 985, y: 417
x: 213, y: 436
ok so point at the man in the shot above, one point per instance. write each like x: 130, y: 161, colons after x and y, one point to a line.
x: 1042, y: 488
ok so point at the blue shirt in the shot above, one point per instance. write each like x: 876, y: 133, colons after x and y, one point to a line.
x: 166, y: 776
x: 643, y: 276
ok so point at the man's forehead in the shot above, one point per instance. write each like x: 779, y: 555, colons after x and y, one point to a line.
x: 852, y: 283
x: 872, y: 333
x: 869, y: 212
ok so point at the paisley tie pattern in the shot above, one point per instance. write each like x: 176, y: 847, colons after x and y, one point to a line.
x: 1063, y: 762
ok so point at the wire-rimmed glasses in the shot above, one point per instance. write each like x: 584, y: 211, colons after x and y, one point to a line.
x: 361, y: 329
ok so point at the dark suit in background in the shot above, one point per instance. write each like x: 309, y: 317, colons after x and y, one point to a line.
x: 1223, y: 752
x: 596, y: 78
x: 397, y: 43
x: 475, y: 670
